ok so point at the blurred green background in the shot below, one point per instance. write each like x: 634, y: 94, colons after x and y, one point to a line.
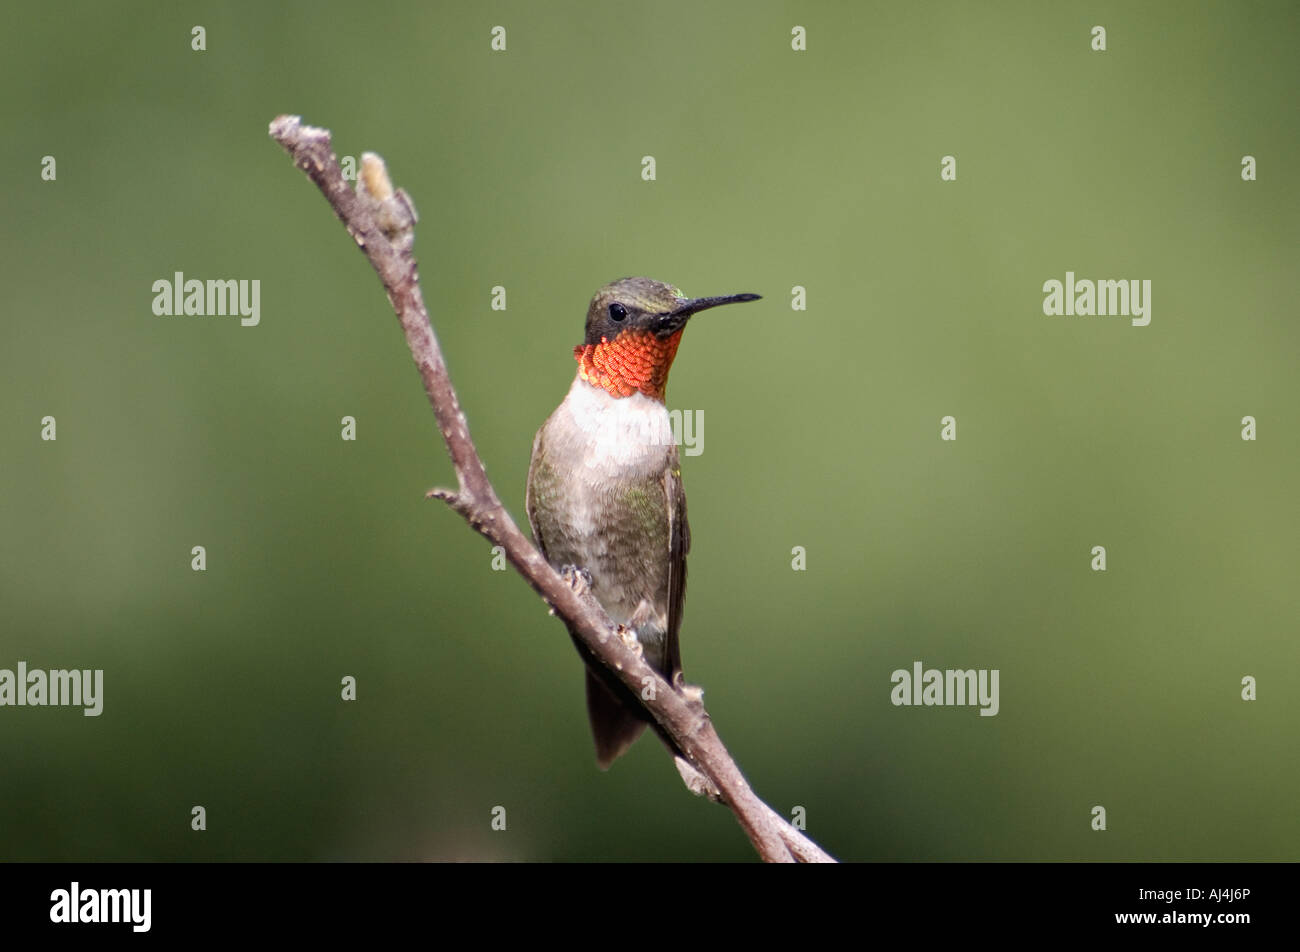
x: 775, y: 169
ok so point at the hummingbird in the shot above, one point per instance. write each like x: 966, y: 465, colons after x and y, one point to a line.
x: 604, y: 497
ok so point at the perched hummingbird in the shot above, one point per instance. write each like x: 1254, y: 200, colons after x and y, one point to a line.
x: 605, y: 492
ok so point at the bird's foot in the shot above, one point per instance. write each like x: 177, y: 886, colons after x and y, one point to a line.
x: 630, y: 640
x: 578, y: 579
x: 693, y: 693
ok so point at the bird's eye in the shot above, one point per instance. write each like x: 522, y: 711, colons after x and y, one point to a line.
x: 617, y: 311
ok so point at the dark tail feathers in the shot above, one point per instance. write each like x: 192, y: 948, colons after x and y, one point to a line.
x: 613, y: 726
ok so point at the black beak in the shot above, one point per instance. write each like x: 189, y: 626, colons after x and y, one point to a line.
x: 676, y: 319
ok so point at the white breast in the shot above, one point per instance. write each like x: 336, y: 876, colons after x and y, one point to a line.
x: 618, y: 434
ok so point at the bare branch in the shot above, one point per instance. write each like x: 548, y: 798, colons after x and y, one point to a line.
x: 382, y: 220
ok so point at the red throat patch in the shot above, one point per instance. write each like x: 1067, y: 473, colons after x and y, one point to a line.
x: 631, y: 363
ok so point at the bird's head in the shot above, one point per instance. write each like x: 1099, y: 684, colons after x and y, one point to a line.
x: 633, y: 328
